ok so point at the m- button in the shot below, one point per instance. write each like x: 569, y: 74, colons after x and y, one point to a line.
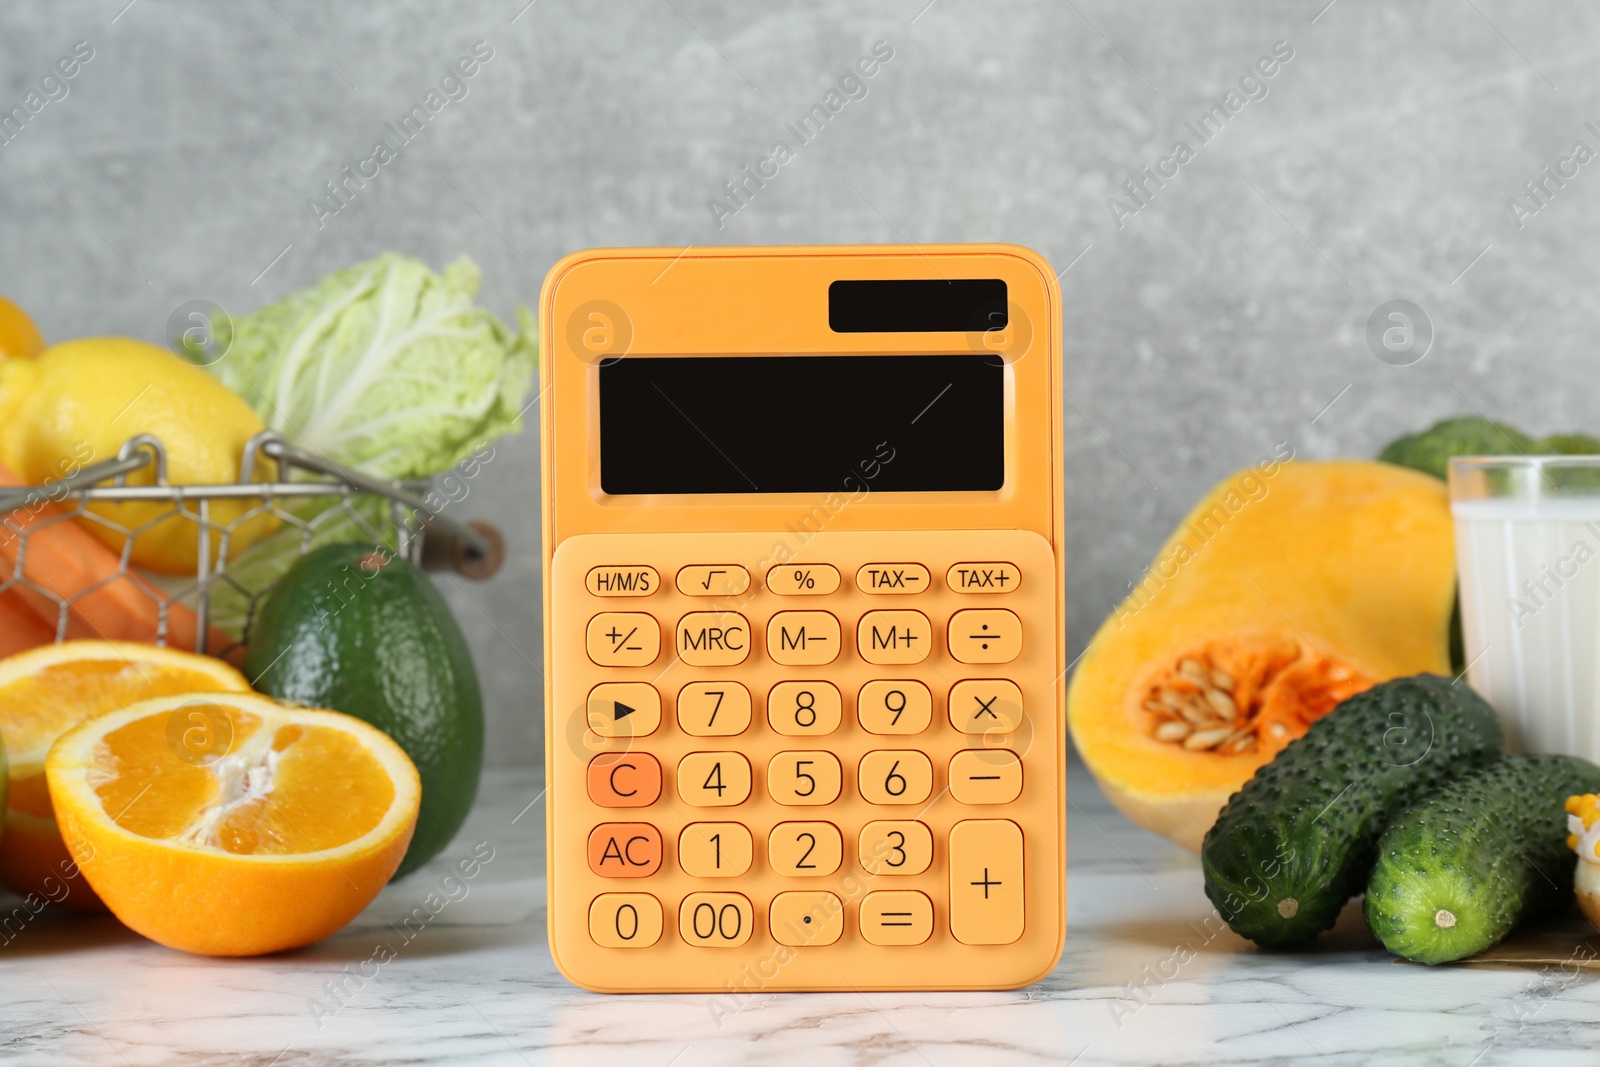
x: 713, y: 638
x: 803, y: 638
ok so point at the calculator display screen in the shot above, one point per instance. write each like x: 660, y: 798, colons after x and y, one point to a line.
x: 802, y: 424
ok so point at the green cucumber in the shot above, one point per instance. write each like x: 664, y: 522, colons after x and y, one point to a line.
x: 1298, y: 840
x: 1487, y: 851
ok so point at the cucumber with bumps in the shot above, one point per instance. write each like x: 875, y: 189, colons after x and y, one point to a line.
x: 1299, y: 839
x: 1483, y: 853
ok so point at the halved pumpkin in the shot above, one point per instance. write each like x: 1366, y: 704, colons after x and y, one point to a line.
x: 1290, y: 587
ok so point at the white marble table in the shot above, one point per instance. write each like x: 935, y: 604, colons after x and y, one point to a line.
x: 1142, y: 981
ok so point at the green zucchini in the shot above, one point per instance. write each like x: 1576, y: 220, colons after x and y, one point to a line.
x: 1487, y: 851
x: 1298, y: 840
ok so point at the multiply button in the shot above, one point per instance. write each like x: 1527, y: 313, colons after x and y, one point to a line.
x: 624, y: 779
x: 986, y: 882
x: 624, y: 639
x: 803, y: 579
x: 624, y: 709
x: 896, y: 917
x: 713, y: 638
x: 985, y: 706
x: 983, y: 577
x: 622, y: 581
x: 985, y: 776
x: 801, y: 919
x: 894, y: 637
x: 625, y: 850
x: 892, y: 578
x: 625, y: 920
x: 985, y: 635
x: 721, y: 579
x: 803, y: 638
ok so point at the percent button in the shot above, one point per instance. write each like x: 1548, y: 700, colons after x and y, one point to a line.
x: 803, y: 579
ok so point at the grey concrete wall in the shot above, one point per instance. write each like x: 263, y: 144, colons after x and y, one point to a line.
x: 1220, y: 314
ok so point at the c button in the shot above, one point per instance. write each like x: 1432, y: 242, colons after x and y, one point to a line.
x: 624, y: 779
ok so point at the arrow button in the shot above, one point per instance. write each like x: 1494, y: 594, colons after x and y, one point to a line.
x: 623, y: 709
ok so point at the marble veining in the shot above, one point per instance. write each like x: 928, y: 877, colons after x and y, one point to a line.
x: 464, y: 976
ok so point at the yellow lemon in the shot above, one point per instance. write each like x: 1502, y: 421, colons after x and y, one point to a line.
x: 77, y: 402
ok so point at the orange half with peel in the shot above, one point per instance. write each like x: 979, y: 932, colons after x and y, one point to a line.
x: 226, y: 824
x: 46, y: 691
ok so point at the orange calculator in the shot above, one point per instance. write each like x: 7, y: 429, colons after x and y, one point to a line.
x: 803, y: 612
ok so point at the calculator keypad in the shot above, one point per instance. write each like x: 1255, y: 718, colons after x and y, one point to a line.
x: 856, y: 747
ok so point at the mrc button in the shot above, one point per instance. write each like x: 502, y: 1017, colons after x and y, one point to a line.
x: 713, y: 638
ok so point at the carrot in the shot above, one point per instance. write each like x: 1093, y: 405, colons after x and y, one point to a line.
x: 20, y: 628
x: 66, y: 561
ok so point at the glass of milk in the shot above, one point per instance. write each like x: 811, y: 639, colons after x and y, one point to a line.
x: 1528, y: 552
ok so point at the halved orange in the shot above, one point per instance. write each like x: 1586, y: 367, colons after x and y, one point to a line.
x: 229, y: 825
x: 44, y: 692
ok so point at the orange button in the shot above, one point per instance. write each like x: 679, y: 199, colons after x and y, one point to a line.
x: 625, y: 920
x: 713, y: 638
x: 622, y: 581
x: 803, y: 579
x: 803, y: 637
x: 624, y: 779
x: 893, y: 578
x: 894, y: 637
x: 624, y: 639
x: 985, y: 635
x: 721, y: 579
x: 983, y: 577
x: 625, y: 850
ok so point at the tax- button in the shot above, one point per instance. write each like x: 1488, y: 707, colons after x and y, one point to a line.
x: 986, y: 882
x: 805, y: 638
x: 719, y: 579
x: 625, y: 850
x: 894, y: 637
x: 622, y: 581
x: 983, y: 577
x: 985, y: 706
x: 624, y: 639
x: 624, y: 709
x: 892, y: 578
x: 625, y: 920
x: 985, y: 635
x: 985, y: 776
x: 896, y: 917
x: 800, y: 919
x: 713, y: 638
x: 624, y: 779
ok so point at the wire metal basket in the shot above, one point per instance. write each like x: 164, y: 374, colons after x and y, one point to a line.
x: 274, y: 477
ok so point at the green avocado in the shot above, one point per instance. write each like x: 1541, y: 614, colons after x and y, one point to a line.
x: 357, y: 630
x: 1300, y: 838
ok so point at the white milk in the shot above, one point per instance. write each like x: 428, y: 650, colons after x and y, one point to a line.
x: 1530, y: 607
